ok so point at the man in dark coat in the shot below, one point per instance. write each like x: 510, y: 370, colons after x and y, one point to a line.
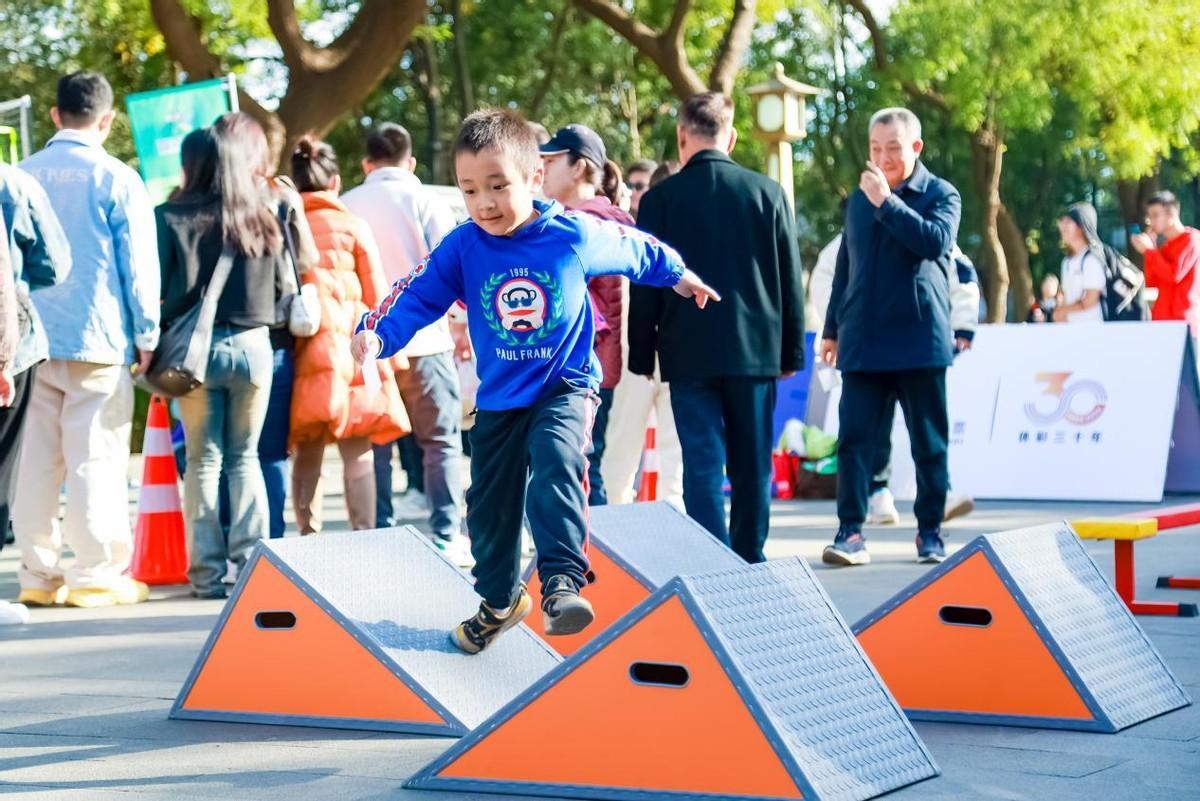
x: 888, y: 328
x: 736, y: 229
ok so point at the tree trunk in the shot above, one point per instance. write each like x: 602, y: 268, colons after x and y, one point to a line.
x: 550, y: 67
x: 323, y: 82
x: 462, y: 64
x: 425, y: 63
x: 1016, y: 255
x: 987, y: 158
x: 1132, y: 197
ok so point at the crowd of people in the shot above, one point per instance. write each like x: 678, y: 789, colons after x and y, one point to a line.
x: 583, y: 302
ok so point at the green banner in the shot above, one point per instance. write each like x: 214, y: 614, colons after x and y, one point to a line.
x: 161, y: 118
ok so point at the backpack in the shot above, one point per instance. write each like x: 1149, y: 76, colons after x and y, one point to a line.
x: 1123, y: 284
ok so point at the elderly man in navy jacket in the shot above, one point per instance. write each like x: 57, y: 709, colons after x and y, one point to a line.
x: 888, y: 328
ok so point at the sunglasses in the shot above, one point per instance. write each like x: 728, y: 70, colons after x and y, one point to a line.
x: 516, y: 303
x: 638, y: 186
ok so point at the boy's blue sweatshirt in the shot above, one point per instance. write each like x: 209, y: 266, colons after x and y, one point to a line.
x: 526, y: 298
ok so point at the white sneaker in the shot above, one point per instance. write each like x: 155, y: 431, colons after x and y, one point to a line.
x: 958, y: 506
x: 881, y: 509
x: 13, y: 614
x: 412, y: 505
x: 231, y: 573
x: 458, y: 548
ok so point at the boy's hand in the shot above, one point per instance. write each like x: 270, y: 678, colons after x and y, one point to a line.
x: 463, y: 350
x: 365, y: 345
x: 690, y: 286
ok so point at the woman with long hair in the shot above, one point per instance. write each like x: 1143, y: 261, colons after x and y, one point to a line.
x: 220, y: 212
x: 330, y: 402
x: 246, y: 136
x: 580, y: 175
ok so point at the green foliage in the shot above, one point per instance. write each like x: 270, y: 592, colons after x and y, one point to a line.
x: 1086, y: 92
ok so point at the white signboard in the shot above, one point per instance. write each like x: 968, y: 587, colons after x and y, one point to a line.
x: 1091, y: 412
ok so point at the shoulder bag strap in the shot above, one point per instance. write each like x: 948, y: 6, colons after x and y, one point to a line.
x: 289, y: 243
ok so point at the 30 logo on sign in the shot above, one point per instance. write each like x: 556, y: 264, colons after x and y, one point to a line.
x: 1079, y: 402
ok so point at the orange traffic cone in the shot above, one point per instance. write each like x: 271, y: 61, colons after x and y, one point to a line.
x: 648, y: 490
x: 159, y: 545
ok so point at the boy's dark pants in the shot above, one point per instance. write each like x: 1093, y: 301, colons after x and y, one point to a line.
x: 547, y: 440
x: 868, y: 403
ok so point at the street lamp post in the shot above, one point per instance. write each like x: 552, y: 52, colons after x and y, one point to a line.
x: 779, y: 121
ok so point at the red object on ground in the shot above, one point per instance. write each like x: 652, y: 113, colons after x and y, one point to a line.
x: 648, y: 490
x: 1177, y: 517
x: 1123, y: 572
x: 785, y: 475
x: 159, y: 545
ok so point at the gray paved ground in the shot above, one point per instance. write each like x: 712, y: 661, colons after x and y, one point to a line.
x: 84, y: 697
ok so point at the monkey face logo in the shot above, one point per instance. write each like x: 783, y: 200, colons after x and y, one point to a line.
x: 521, y: 304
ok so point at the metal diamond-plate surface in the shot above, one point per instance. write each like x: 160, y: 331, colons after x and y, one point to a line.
x: 403, y: 594
x: 1083, y: 615
x: 659, y: 541
x: 797, y: 657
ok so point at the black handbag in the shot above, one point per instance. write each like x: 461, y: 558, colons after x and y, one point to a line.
x: 180, y: 361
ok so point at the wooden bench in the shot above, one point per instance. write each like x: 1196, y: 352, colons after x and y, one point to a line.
x: 1124, y: 532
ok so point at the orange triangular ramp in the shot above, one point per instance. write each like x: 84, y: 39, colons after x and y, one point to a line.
x: 739, y: 684
x: 352, y: 631
x: 635, y: 549
x: 1019, y: 628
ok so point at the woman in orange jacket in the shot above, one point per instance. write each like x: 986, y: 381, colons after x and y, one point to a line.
x: 329, y: 401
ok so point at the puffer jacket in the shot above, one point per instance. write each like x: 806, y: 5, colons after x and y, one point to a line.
x: 606, y: 292
x: 329, y: 401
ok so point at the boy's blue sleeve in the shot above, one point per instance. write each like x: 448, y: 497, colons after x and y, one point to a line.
x: 417, y: 300
x: 610, y: 248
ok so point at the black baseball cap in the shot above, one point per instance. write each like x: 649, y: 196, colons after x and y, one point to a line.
x: 578, y: 139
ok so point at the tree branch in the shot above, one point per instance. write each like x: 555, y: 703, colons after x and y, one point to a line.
x: 640, y: 35
x: 673, y: 34
x: 670, y: 57
x: 733, y: 46
x: 878, y: 44
x: 880, y: 53
x: 181, y: 32
x: 298, y: 53
x: 552, y: 60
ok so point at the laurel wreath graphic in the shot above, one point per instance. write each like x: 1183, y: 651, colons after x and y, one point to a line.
x: 487, y: 294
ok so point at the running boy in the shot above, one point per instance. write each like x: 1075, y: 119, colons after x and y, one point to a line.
x: 521, y: 265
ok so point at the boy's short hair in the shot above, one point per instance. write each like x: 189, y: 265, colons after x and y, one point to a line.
x: 83, y: 97
x: 1165, y: 199
x: 502, y: 130
x: 707, y: 114
x: 389, y: 144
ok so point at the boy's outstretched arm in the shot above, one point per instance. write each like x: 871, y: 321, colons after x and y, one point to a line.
x: 414, y: 302
x: 690, y: 286
x: 614, y: 249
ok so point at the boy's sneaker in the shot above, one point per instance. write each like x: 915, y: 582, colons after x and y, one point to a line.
x: 958, y: 506
x: 881, y: 509
x: 849, y: 548
x: 477, y: 633
x: 564, y: 610
x: 930, y: 548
